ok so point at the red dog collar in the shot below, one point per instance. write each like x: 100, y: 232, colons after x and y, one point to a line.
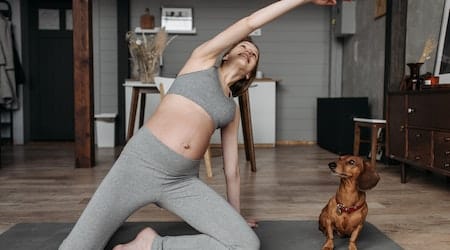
x: 341, y: 208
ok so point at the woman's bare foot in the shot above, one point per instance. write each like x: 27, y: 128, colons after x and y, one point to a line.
x: 143, y: 240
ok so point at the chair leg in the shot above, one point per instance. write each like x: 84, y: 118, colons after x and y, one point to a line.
x: 373, y: 145
x: 208, y: 165
x: 356, y: 139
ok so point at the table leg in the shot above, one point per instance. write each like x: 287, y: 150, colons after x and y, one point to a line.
x: 142, y: 109
x: 403, y: 173
x: 133, y: 107
x: 244, y: 104
x: 208, y: 165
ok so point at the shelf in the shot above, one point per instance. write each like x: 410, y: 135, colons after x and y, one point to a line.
x: 155, y: 30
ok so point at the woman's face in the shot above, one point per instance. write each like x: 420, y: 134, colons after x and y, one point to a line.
x: 246, y: 54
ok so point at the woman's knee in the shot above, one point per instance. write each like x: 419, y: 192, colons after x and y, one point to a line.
x: 254, y: 243
x: 249, y: 242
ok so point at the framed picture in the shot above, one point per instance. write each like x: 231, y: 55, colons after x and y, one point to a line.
x: 442, y: 66
x: 380, y: 8
x: 177, y: 19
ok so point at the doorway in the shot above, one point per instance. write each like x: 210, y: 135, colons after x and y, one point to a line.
x: 51, y: 70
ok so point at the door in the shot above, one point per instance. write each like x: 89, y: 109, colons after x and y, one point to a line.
x: 51, y: 73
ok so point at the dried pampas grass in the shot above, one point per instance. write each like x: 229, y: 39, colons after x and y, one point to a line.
x: 430, y: 45
x: 146, y: 51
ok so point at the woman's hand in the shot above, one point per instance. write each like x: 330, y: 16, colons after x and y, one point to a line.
x: 324, y: 2
x: 252, y: 222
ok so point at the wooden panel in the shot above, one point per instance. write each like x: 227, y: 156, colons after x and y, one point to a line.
x: 441, y: 110
x: 418, y: 109
x: 419, y: 146
x: 442, y: 150
x: 396, y: 125
x: 396, y: 20
x: 83, y: 84
x: 123, y: 25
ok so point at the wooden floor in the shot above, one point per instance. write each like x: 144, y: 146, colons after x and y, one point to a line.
x: 38, y: 183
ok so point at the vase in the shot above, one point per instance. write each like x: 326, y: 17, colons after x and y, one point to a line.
x: 147, y: 20
x: 414, y: 77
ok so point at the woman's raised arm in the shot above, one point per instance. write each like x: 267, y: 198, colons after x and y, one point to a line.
x: 242, y: 28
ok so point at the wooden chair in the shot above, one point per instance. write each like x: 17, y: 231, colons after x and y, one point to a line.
x: 164, y: 83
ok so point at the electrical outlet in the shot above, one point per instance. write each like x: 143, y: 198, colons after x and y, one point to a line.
x: 256, y: 32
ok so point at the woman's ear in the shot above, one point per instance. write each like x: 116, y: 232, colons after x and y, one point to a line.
x: 247, y: 76
x: 225, y: 57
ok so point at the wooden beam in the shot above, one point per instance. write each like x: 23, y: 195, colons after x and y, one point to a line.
x: 123, y: 26
x: 395, y: 44
x: 83, y: 83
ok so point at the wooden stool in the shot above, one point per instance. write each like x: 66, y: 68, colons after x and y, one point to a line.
x: 374, y: 125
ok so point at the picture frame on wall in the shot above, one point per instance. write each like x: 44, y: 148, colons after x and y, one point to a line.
x: 177, y: 19
x: 380, y: 8
x: 442, y: 66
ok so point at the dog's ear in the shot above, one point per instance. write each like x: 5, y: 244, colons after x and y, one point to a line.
x: 368, y: 178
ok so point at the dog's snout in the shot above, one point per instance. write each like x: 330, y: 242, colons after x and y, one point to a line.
x: 332, y: 165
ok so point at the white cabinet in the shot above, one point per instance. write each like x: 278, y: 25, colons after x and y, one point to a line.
x: 263, y: 111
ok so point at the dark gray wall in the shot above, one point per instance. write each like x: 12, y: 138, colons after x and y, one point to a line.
x: 363, y: 58
x: 423, y: 22
x: 294, y: 48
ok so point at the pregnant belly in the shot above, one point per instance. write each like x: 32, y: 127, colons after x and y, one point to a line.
x: 184, y: 127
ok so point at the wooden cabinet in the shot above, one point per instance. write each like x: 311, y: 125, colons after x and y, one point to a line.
x: 418, y: 131
x: 396, y: 125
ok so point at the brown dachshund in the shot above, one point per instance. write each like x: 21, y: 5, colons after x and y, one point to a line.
x: 346, y: 211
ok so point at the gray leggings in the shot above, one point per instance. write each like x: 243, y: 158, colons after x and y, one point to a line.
x: 146, y: 172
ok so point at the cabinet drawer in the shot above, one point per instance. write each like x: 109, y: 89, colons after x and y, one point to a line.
x: 419, y: 146
x: 419, y: 110
x: 441, y: 110
x: 442, y: 150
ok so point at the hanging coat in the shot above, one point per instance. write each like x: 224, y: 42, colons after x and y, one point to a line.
x: 8, y: 96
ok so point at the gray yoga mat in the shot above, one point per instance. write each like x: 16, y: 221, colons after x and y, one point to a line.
x: 274, y: 235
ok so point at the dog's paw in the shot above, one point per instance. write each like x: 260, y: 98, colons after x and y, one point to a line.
x: 328, y: 245
x: 352, y: 246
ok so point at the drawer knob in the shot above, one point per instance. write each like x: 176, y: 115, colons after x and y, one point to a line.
x: 402, y: 128
x: 418, y: 135
x: 446, y: 165
x: 411, y: 110
x: 447, y: 139
x: 447, y: 153
x: 417, y: 158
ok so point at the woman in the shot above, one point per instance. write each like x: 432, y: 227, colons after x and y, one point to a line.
x: 160, y: 163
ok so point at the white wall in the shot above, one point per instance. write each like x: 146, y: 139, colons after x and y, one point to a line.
x: 18, y: 134
x: 104, y: 32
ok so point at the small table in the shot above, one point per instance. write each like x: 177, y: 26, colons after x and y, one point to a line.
x: 138, y: 90
x: 374, y: 125
x: 142, y: 89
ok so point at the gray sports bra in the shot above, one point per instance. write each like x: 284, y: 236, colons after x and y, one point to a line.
x: 203, y: 87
